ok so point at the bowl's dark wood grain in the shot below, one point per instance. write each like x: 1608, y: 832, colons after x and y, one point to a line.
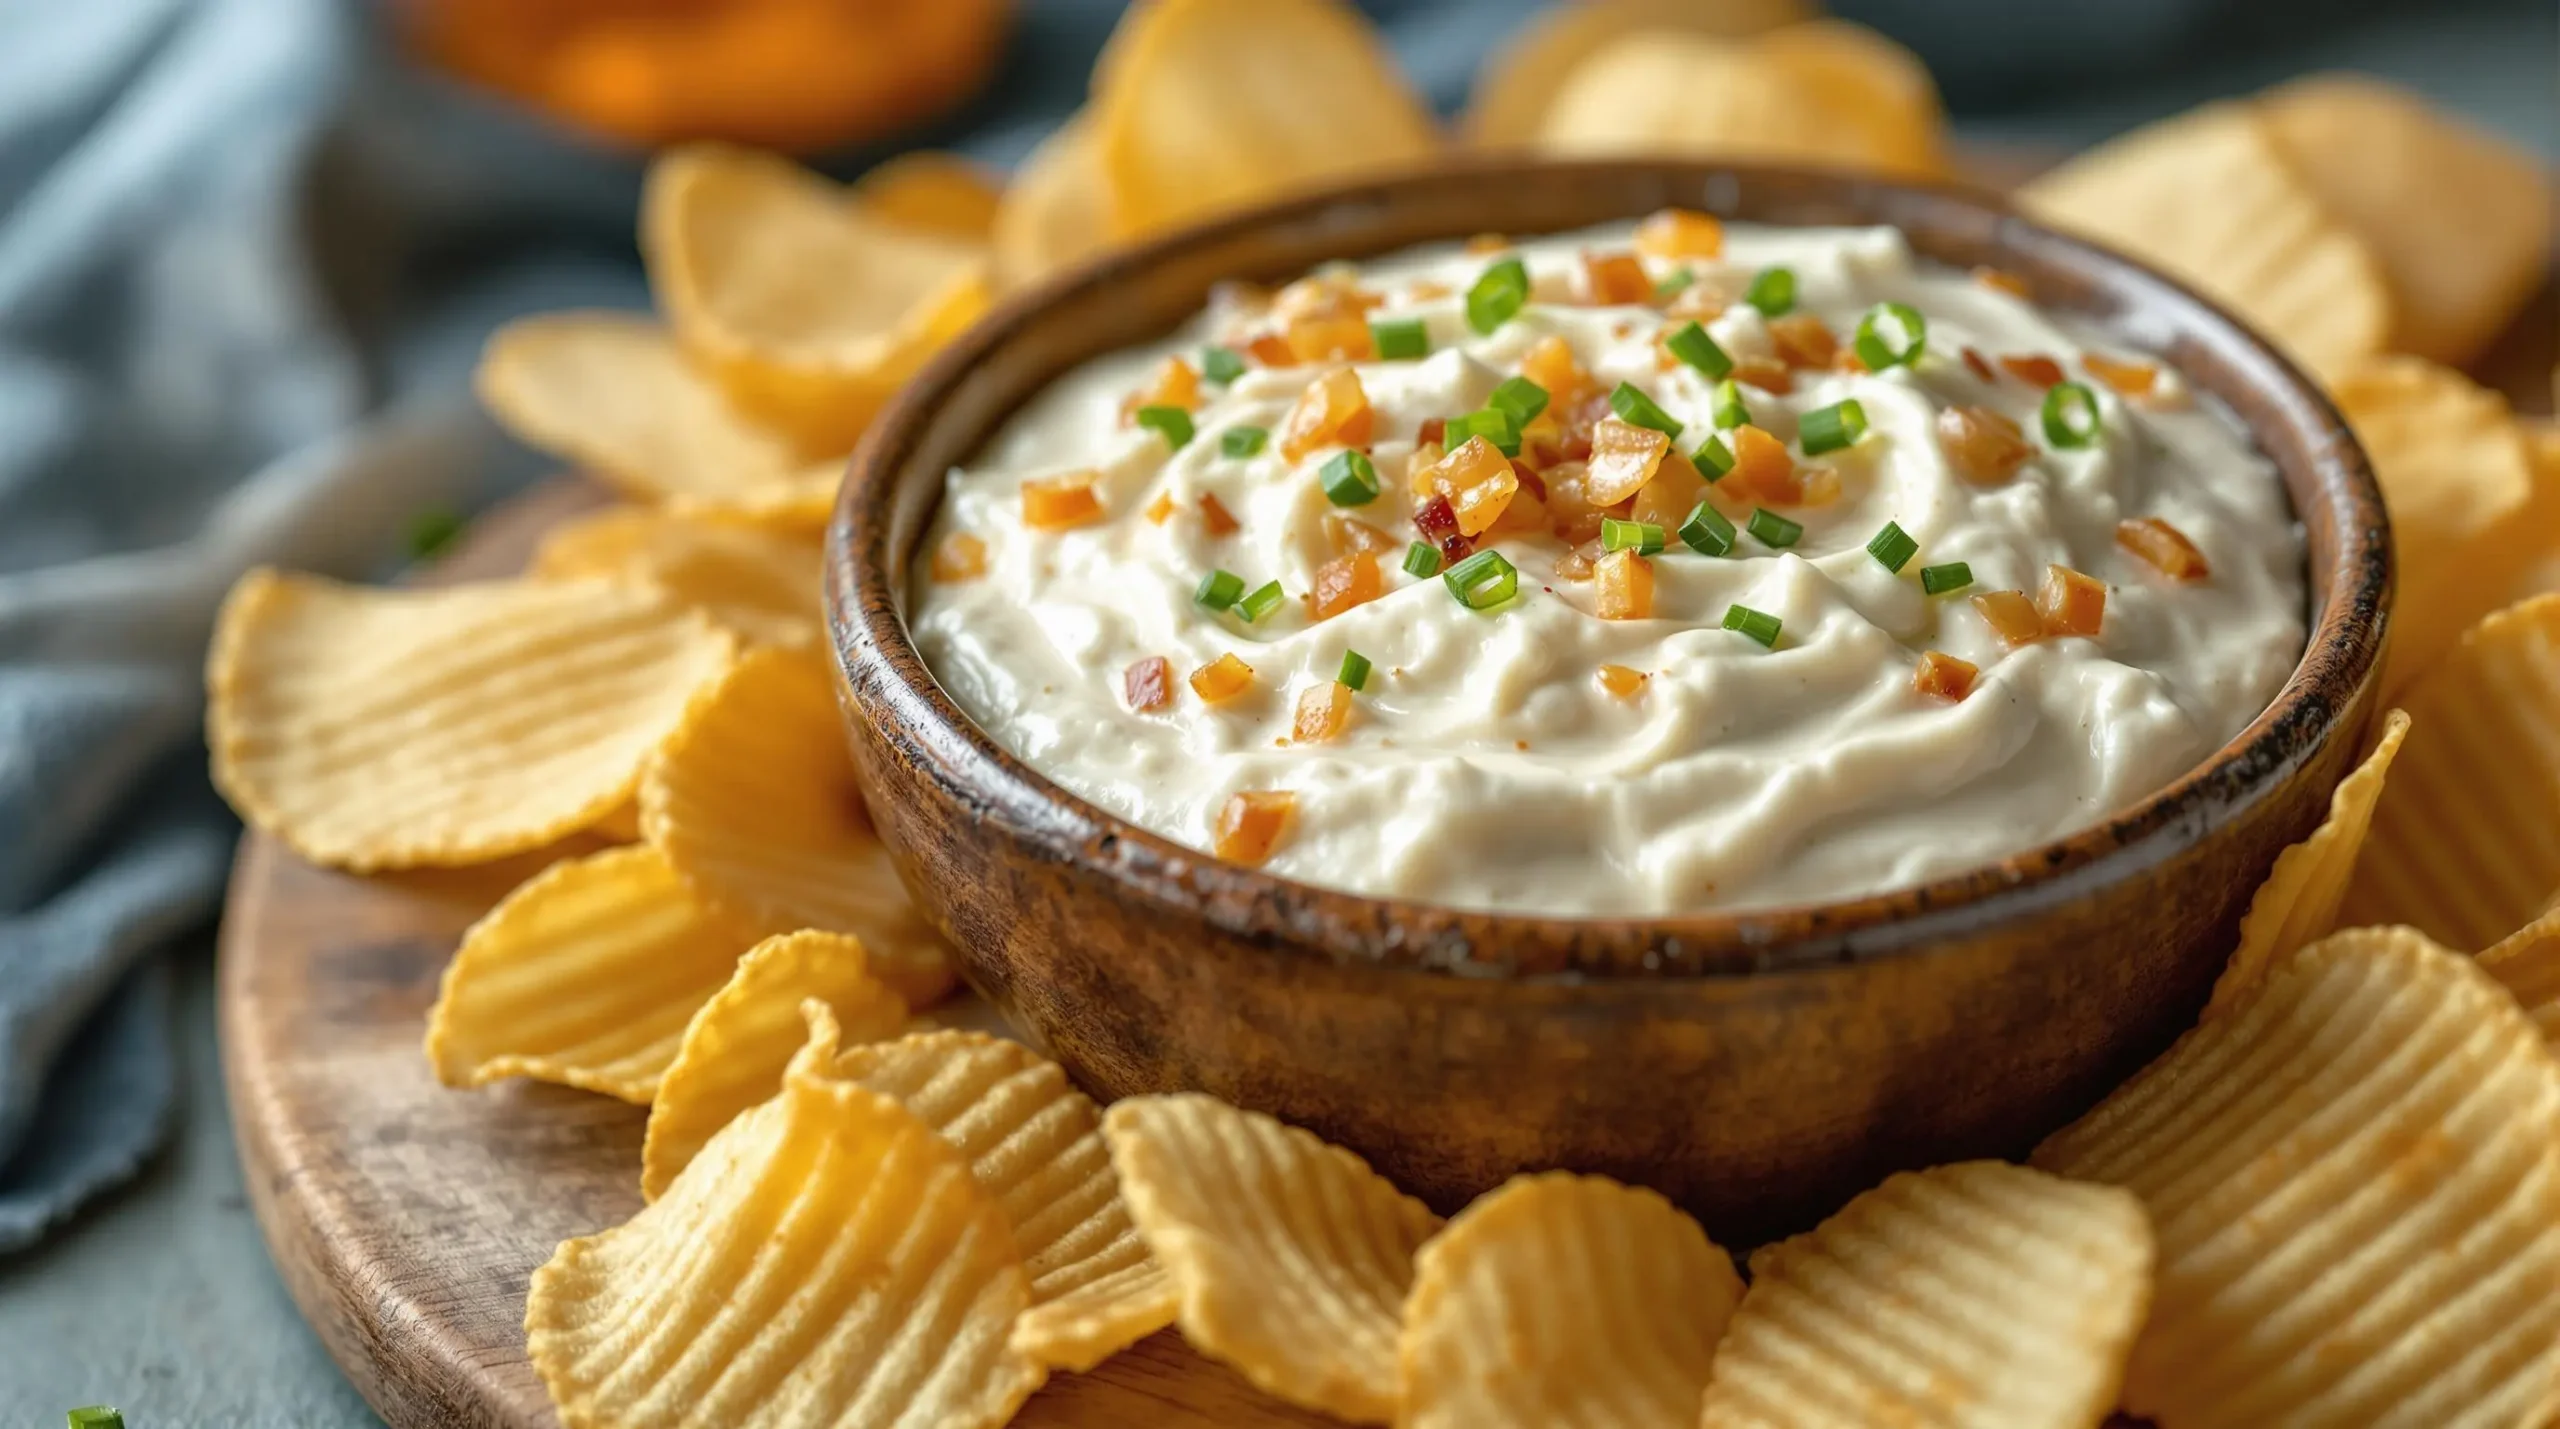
x: 1758, y: 1067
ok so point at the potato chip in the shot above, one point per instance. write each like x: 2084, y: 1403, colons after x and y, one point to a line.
x: 828, y: 1260
x: 1291, y: 1257
x: 586, y: 976
x: 2461, y: 220
x: 1563, y: 1300
x: 612, y: 394
x: 375, y: 729
x: 2298, y: 903
x: 2458, y: 480
x: 2539, y: 527
x: 1514, y: 88
x: 2465, y: 844
x: 1861, y: 73
x: 1204, y: 106
x: 2208, y: 197
x: 753, y: 799
x: 763, y: 585
x: 742, y: 1036
x: 1968, y: 1295
x: 807, y: 309
x: 937, y: 193
x: 2351, y: 1179
x: 1057, y: 211
x: 2527, y: 964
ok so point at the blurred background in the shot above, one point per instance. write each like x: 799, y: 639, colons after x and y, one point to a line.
x: 248, y: 252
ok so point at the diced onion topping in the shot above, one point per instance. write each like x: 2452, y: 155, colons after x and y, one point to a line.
x: 1243, y: 441
x: 1493, y: 424
x: 2163, y: 547
x: 1400, y: 339
x: 1891, y: 335
x: 1355, y: 670
x: 1148, y: 684
x: 2071, y: 417
x: 1349, y: 479
x: 1944, y: 677
x: 1730, y: 411
x: 1642, y: 537
x: 1221, y: 364
x: 1713, y: 459
x: 1760, y: 625
x: 1498, y: 295
x: 1772, y: 291
x: 1773, y: 530
x: 1893, y: 547
x: 1708, y: 532
x: 1941, y: 580
x: 1482, y: 581
x: 1218, y: 590
x: 1519, y: 399
x: 1829, y: 429
x: 1171, y: 423
x: 1422, y: 560
x: 1264, y: 599
x: 1692, y: 346
x: 1638, y: 410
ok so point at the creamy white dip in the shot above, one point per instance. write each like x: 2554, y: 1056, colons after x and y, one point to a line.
x: 1484, y: 764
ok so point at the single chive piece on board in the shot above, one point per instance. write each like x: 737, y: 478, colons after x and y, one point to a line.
x: 1219, y: 589
x: 1891, y: 335
x: 1171, y: 423
x: 1828, y: 429
x: 1637, y: 409
x: 1938, y: 580
x: 1483, y: 580
x: 1221, y: 364
x: 1772, y: 291
x: 97, y: 1416
x: 1519, y: 399
x: 1400, y: 338
x: 1498, y: 295
x: 1350, y: 479
x: 1243, y: 441
x: 1730, y: 411
x: 1692, y: 346
x: 431, y: 533
x: 1893, y: 547
x: 1673, y: 284
x: 2071, y: 417
x: 1760, y: 625
x: 1708, y: 531
x: 1773, y: 529
x: 1355, y: 670
x: 1490, y: 423
x: 1642, y: 537
x: 1265, y: 599
x: 1713, y: 459
x: 1422, y: 559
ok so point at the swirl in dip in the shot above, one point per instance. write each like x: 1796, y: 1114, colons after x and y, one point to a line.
x: 2021, y: 582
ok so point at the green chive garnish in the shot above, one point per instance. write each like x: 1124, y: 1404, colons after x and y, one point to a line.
x: 1637, y: 409
x: 431, y: 533
x: 1893, y: 547
x: 1673, y: 284
x: 1242, y: 441
x: 1519, y: 399
x: 1265, y: 599
x: 1492, y: 424
x: 1707, y: 531
x: 1354, y: 671
x: 1760, y: 625
x: 1350, y: 479
x: 1399, y: 338
x: 1730, y: 413
x: 1828, y: 429
x: 1938, y: 580
x: 1642, y: 537
x: 1772, y: 291
x: 2071, y: 418
x: 1221, y: 364
x: 1876, y: 350
x: 1774, y: 530
x: 1482, y: 581
x: 97, y: 1416
x: 1498, y: 295
x: 1713, y: 459
x: 1171, y: 423
x: 1422, y: 560
x: 1692, y: 346
x: 1219, y: 589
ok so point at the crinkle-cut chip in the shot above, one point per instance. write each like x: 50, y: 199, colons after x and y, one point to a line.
x: 1291, y: 1257
x: 1204, y: 106
x: 612, y: 394
x: 2209, y: 197
x: 2541, y: 522
x: 2299, y: 902
x: 1867, y: 76
x: 2527, y: 963
x: 2461, y: 220
x: 761, y: 584
x: 739, y: 1041
x: 1658, y: 93
x: 827, y: 1260
x: 1559, y: 1301
x: 808, y: 310
x: 2458, y: 479
x: 1057, y: 210
x: 2351, y: 1180
x: 1514, y: 88
x: 585, y: 975
x: 377, y: 729
x: 2465, y: 844
x: 934, y: 192
x: 753, y: 799
x: 1977, y: 1294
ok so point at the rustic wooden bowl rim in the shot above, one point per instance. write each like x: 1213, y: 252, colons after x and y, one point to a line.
x: 892, y: 688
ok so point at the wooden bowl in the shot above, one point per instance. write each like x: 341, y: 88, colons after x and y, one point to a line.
x: 1758, y: 1067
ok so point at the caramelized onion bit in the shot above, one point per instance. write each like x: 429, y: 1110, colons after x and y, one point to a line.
x: 1624, y: 457
x: 1804, y: 341
x: 1333, y: 411
x: 2164, y: 547
x: 1322, y: 712
x: 1270, y: 349
x: 1058, y: 502
x: 1666, y: 500
x: 1621, y: 681
x: 959, y: 557
x: 1614, y: 279
x: 1172, y: 383
x: 1222, y: 679
x: 1149, y: 684
x: 1160, y: 510
x: 2011, y: 615
x: 1550, y: 363
x: 1761, y: 465
x: 1680, y: 233
x: 1215, y: 518
x: 1766, y: 373
x: 1979, y: 365
x: 1348, y: 534
x: 2129, y: 379
x: 2034, y: 369
x: 1250, y: 826
x: 2002, y: 280
x: 1626, y: 586
x: 1944, y: 677
x: 1982, y: 445
x: 2070, y: 603
x: 1344, y: 582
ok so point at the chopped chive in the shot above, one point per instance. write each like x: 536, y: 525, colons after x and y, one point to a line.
x: 1708, y: 531
x: 1637, y: 409
x: 1171, y: 423
x: 1760, y: 625
x: 1938, y: 580
x: 1354, y: 671
x: 1221, y: 364
x: 1772, y: 291
x: 1243, y: 441
x: 1642, y: 537
x: 1673, y: 284
x: 1483, y: 580
x: 1399, y: 338
x: 1498, y: 295
x: 432, y: 532
x: 1492, y: 424
x: 1350, y: 479
x: 1828, y: 429
x: 1265, y: 599
x: 1713, y: 459
x: 1773, y: 529
x: 1219, y: 589
x: 1730, y: 412
x: 1519, y: 399
x: 1872, y: 347
x: 97, y: 1416
x: 1692, y: 346
x: 1422, y: 560
x: 1893, y: 547
x: 2071, y: 418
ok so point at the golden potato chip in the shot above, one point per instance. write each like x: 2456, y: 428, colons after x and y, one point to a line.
x: 2460, y: 219
x: 2540, y: 525
x: 938, y: 193
x: 1057, y: 210
x: 808, y: 310
x: 828, y: 1260
x: 1291, y: 1257
x: 2351, y: 1180
x: 1204, y: 106
x: 753, y: 799
x: 2527, y: 964
x: 2299, y: 902
x: 612, y: 394
x: 586, y: 976
x: 761, y: 584
x: 735, y: 1048
x: 1976, y: 1294
x: 1562, y: 1300
x: 2208, y: 197
x: 375, y: 729
x: 1514, y: 88
x: 1863, y: 74
x: 2465, y: 844
x: 2458, y: 480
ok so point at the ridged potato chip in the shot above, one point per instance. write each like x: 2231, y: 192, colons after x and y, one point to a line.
x: 2299, y: 902
x: 937, y: 193
x: 1291, y: 1257
x: 612, y: 394
x: 2351, y: 1178
x: 827, y: 1261
x: 761, y: 584
x: 585, y: 975
x: 1514, y: 88
x: 733, y: 1052
x: 1203, y: 106
x: 2460, y: 219
x: 2527, y: 964
x: 1563, y: 1302
x: 1057, y: 210
x: 1978, y: 1294
x: 809, y: 310
x: 2209, y: 197
x: 2465, y: 844
x: 377, y: 729
x: 753, y: 799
